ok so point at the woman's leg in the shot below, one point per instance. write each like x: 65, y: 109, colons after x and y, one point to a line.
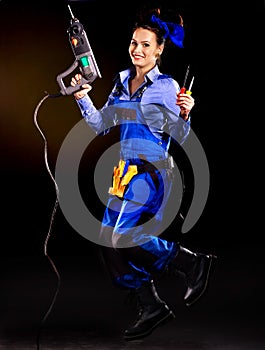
x: 152, y: 311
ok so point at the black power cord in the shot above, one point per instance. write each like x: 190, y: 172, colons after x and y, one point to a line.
x: 51, y: 220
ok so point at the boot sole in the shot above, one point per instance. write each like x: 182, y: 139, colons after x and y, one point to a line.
x: 169, y: 317
x: 213, y: 259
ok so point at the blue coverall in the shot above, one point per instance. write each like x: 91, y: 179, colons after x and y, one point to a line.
x: 148, y: 120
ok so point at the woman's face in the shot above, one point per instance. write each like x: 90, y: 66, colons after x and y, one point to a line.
x: 144, y: 49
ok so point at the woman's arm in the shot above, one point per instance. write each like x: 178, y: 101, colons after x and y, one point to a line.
x: 99, y: 120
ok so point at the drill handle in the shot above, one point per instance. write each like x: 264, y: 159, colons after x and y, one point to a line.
x: 69, y: 90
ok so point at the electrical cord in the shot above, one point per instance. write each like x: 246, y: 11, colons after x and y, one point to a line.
x: 51, y: 220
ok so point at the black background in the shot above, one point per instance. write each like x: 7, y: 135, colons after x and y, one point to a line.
x: 35, y: 49
x: 223, y: 45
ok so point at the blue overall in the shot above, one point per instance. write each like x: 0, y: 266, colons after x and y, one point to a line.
x: 133, y: 249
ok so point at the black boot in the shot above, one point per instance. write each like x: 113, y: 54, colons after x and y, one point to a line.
x: 196, y: 267
x: 153, y: 313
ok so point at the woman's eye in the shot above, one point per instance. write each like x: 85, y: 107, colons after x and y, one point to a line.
x: 146, y: 45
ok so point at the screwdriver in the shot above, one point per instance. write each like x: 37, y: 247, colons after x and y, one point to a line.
x: 183, y: 89
x: 188, y: 92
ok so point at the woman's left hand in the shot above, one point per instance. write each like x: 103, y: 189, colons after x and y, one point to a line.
x: 186, y: 103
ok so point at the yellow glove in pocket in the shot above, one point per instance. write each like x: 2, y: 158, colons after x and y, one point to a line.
x: 120, y: 180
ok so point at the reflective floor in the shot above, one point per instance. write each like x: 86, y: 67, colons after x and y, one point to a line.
x: 89, y: 313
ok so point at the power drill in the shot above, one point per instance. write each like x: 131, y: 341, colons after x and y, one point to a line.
x: 84, y: 58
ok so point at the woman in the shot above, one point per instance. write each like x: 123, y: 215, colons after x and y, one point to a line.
x: 150, y: 111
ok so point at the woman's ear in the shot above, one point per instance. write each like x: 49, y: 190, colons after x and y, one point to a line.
x: 160, y: 50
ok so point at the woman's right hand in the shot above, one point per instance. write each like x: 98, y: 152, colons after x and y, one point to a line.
x: 86, y: 87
